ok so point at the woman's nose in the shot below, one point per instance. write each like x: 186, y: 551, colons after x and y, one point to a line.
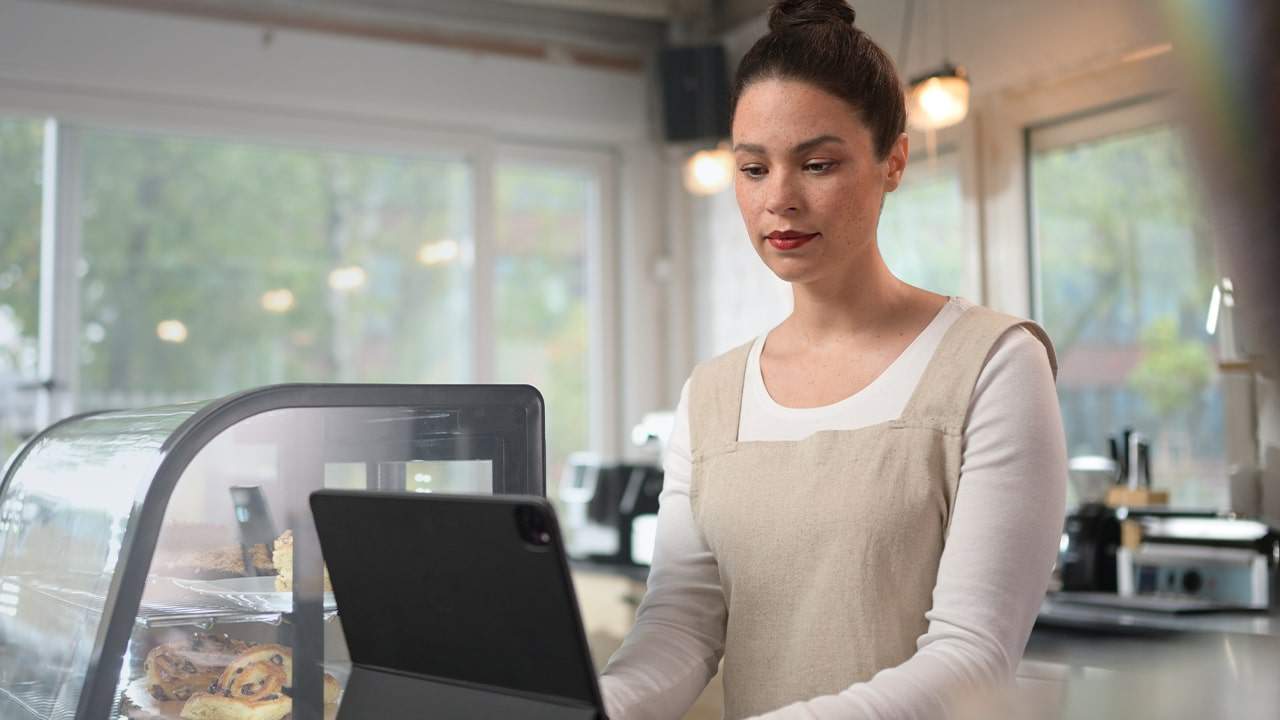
x: 783, y: 198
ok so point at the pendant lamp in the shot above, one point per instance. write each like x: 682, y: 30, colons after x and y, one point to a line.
x: 707, y: 172
x: 938, y: 99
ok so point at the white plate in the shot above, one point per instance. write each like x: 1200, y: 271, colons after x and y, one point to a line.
x: 253, y: 593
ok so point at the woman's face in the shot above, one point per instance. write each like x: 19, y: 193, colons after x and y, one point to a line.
x: 808, y: 183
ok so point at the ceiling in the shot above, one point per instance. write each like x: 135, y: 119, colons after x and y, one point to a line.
x: 612, y: 34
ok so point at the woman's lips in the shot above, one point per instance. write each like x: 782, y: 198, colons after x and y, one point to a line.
x: 789, y: 241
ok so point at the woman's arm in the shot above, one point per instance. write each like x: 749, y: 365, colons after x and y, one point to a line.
x: 675, y: 647
x: 999, y: 552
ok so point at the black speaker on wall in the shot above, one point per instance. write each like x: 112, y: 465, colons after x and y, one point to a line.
x: 695, y: 93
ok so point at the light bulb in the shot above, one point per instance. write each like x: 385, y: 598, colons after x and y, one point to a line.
x: 708, y: 172
x: 939, y: 101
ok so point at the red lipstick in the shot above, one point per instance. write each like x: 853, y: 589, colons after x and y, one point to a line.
x: 789, y: 239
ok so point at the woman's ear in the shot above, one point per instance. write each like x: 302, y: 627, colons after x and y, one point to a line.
x: 896, y: 162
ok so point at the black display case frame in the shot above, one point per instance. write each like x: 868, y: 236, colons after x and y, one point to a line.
x: 506, y: 421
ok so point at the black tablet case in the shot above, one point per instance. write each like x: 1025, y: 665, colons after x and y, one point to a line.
x: 449, y: 612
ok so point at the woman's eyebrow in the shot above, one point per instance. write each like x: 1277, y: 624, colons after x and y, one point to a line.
x: 808, y: 145
x: 799, y: 147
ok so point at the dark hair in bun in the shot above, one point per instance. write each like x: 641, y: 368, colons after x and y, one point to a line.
x: 816, y: 41
x: 796, y: 13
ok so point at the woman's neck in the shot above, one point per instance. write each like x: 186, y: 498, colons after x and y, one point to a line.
x: 851, y: 307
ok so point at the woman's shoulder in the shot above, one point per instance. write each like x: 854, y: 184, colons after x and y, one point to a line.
x: 1012, y: 337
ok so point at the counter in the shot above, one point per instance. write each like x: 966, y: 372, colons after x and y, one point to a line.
x: 1087, y: 661
x: 1101, y: 620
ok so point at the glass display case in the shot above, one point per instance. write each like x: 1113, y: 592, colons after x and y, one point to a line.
x: 162, y: 563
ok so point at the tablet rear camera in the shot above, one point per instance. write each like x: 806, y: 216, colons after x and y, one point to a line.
x: 532, y: 527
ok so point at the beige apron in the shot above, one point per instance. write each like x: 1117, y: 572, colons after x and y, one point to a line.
x: 828, y: 547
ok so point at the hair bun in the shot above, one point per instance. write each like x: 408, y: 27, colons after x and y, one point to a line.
x: 793, y: 14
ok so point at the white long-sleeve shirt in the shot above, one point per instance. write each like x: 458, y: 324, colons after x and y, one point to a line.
x: 1003, y: 537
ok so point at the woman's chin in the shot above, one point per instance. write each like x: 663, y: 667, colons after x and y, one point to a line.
x: 794, y: 270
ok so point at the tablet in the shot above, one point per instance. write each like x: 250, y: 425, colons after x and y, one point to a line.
x: 455, y: 606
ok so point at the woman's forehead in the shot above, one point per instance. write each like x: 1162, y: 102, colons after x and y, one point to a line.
x: 780, y: 114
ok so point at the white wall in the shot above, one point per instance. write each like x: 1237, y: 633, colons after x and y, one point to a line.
x: 154, y: 71
x: 103, y: 62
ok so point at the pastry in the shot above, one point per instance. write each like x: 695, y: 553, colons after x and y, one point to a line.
x: 175, y: 671
x: 253, y: 681
x: 204, y: 706
x: 216, y: 564
x: 276, y: 655
x: 256, y: 685
x: 283, y: 558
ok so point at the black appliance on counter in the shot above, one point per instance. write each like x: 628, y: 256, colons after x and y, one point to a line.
x: 1091, y: 543
x: 1087, y: 554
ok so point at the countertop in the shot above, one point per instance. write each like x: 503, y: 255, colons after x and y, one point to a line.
x: 1056, y: 613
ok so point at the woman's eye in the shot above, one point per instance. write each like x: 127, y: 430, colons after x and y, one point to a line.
x: 818, y: 168
x: 752, y: 171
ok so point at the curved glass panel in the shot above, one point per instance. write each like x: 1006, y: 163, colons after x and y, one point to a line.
x: 237, y: 567
x: 62, y: 519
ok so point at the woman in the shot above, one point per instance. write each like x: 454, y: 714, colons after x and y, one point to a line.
x: 862, y: 507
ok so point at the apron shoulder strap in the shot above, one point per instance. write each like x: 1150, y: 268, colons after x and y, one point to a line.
x: 941, y: 399
x: 715, y: 399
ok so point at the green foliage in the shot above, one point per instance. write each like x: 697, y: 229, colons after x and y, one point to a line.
x: 197, y: 231
x: 1173, y: 372
x: 1110, y: 215
x: 21, y: 143
x: 543, y: 229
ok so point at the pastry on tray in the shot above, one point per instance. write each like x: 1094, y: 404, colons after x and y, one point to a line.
x: 218, y: 563
x: 255, y: 691
x: 216, y: 707
x: 282, y: 554
x: 177, y: 670
x: 256, y: 685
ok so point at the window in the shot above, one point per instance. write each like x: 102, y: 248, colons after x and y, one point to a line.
x: 547, y: 218
x: 212, y: 266
x: 209, y: 265
x: 21, y: 151
x: 921, y: 232
x: 1123, y: 278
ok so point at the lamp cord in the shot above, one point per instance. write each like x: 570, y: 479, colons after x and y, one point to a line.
x: 905, y: 45
x: 946, y: 35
